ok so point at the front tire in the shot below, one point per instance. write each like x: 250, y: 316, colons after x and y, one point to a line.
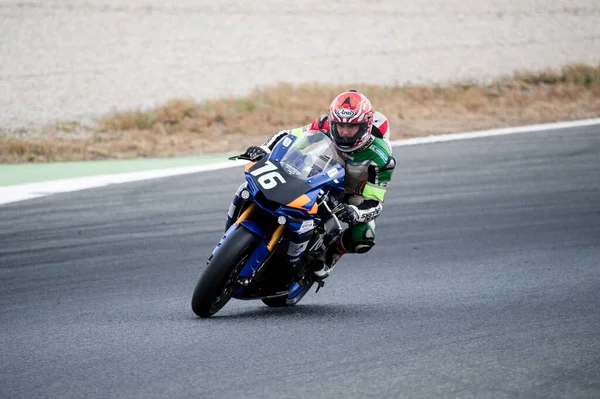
x: 216, y: 286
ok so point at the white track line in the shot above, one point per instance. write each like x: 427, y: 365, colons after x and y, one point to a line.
x: 23, y: 192
x: 496, y: 132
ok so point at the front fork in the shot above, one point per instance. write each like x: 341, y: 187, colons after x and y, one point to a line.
x: 275, y: 237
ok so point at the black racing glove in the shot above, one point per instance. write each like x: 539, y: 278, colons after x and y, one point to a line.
x: 346, y: 213
x: 254, y: 153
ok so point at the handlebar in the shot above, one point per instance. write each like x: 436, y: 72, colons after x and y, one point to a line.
x: 324, y: 201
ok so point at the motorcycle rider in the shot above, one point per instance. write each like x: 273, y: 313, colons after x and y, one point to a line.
x: 361, y: 137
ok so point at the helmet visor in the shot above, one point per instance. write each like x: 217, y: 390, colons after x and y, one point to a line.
x: 345, y: 140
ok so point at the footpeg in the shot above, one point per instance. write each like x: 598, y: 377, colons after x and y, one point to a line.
x: 320, y: 284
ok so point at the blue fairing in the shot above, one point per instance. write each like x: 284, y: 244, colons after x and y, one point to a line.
x: 252, y: 187
x: 281, y: 148
x: 323, y: 178
x: 228, y: 233
x: 295, y: 289
x: 259, y: 254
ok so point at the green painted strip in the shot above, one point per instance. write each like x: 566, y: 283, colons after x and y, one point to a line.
x: 11, y: 174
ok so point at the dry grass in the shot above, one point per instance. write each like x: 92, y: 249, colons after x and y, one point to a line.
x: 186, y: 126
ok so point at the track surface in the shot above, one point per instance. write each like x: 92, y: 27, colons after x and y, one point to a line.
x: 484, y: 283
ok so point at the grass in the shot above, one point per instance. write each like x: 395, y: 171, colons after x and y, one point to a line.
x: 186, y: 126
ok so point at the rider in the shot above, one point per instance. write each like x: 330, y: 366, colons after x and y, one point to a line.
x: 361, y: 137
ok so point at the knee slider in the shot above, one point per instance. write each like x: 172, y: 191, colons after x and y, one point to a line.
x: 362, y: 248
x: 361, y: 239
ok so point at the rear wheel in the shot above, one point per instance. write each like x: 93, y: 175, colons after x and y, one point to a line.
x: 218, y: 281
x: 285, y: 301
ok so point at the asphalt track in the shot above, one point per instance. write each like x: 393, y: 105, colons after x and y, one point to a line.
x: 484, y: 283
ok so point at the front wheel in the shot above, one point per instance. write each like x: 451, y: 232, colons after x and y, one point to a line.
x: 217, y: 283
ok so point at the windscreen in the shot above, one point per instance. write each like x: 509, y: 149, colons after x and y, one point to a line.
x: 310, y: 154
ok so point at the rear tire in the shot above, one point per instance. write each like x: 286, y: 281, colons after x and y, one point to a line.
x: 215, y: 286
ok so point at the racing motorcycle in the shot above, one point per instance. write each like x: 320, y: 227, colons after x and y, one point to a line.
x: 283, y: 223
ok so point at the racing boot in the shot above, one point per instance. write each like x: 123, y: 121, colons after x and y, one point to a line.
x: 331, y: 256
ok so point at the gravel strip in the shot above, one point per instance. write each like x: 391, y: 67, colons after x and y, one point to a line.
x: 71, y: 60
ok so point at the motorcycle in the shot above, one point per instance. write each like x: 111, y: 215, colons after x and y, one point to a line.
x: 282, y: 224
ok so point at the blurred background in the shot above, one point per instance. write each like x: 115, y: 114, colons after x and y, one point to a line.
x: 73, y: 59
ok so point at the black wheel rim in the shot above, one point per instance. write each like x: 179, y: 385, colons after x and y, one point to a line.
x: 229, y: 287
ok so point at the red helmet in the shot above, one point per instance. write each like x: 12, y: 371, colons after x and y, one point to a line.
x: 351, y: 107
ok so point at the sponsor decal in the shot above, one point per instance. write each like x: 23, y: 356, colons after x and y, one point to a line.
x: 381, y: 154
x: 345, y: 113
x: 368, y: 216
x: 291, y: 170
x: 332, y: 172
x: 296, y: 249
x: 306, y: 226
x: 287, y: 141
